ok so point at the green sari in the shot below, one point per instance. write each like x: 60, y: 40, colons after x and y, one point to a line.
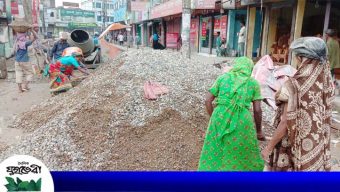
x: 231, y: 143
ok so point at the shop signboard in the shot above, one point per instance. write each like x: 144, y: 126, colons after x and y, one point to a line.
x: 81, y: 25
x: 204, y: 31
x: 14, y: 8
x: 217, y: 24
x: 227, y: 4
x: 203, y: 4
x: 171, y: 40
x: 168, y: 8
x: 61, y: 24
x: 224, y: 22
x: 71, y: 4
x: 76, y: 13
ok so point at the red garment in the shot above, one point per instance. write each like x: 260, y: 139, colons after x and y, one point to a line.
x: 59, y: 67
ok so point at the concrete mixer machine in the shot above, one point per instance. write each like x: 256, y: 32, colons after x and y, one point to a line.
x: 82, y: 39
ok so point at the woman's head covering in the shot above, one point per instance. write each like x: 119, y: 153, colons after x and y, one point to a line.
x: 21, y: 40
x: 310, y: 47
x: 243, y: 66
x: 241, y: 72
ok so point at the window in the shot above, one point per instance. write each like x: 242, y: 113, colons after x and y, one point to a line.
x: 93, y: 4
x: 98, y: 5
x: 112, y: 19
x: 99, y: 18
x: 111, y: 6
x: 52, y: 14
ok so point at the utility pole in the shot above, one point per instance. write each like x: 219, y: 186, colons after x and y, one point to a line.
x: 27, y: 4
x: 104, y: 10
x: 186, y: 18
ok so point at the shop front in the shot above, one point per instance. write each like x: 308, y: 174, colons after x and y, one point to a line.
x: 167, y: 22
x: 210, y: 26
x: 173, y: 25
x: 205, y: 36
x: 279, y: 33
x: 270, y: 26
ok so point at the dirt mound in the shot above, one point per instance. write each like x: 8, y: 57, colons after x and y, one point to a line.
x: 106, y: 124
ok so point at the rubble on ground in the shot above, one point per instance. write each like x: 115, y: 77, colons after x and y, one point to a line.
x: 106, y: 124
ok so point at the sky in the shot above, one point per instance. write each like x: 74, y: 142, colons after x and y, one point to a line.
x: 60, y: 2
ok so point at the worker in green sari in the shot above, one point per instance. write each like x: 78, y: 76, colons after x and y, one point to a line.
x: 231, y: 142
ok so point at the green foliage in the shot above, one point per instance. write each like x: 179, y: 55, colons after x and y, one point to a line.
x: 22, y: 185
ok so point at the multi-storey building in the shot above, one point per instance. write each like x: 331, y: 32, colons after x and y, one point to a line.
x: 62, y: 19
x: 104, y: 11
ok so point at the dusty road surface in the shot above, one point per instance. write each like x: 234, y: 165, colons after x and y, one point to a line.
x: 13, y: 103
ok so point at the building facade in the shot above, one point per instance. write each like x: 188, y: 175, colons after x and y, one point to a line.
x: 104, y: 11
x: 62, y: 19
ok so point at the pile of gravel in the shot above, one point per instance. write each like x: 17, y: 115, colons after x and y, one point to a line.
x: 106, y: 124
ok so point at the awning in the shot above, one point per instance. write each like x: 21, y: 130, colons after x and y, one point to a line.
x: 113, y: 27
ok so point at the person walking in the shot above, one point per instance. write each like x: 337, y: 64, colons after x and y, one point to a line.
x: 121, y: 39
x: 301, y: 141
x: 155, y: 39
x: 23, y: 67
x: 333, y: 50
x: 218, y: 44
x: 231, y: 141
x: 137, y: 40
x: 241, y: 39
x: 59, y: 47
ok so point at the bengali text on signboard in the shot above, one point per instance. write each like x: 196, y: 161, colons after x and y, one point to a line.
x: 171, y: 40
x: 224, y: 22
x: 14, y: 8
x: 75, y: 13
x: 204, y: 30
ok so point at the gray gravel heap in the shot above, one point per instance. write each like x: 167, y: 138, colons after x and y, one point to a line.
x: 55, y: 129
